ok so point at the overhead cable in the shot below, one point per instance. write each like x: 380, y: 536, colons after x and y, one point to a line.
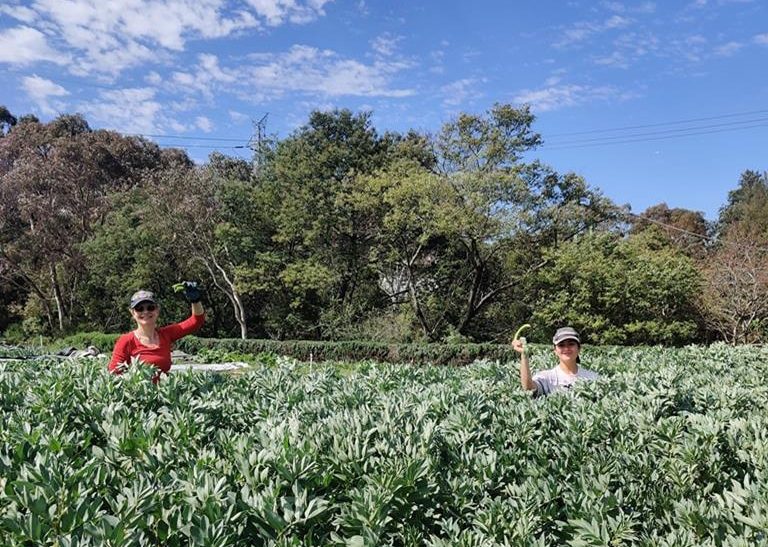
x: 659, y: 124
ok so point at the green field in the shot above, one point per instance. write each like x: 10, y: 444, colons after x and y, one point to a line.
x: 669, y: 448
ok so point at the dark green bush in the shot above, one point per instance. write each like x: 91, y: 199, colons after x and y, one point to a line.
x: 81, y: 340
x: 308, y: 350
x: 316, y: 351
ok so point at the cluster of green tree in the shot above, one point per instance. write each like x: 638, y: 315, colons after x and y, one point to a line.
x: 339, y: 232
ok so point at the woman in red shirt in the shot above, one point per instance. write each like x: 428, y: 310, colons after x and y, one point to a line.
x: 150, y: 343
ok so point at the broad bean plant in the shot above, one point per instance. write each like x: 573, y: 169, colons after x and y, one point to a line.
x: 669, y: 448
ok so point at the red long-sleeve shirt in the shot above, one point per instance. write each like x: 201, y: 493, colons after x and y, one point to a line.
x: 128, y: 346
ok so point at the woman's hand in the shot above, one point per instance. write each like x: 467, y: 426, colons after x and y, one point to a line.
x: 190, y: 289
x: 518, y: 344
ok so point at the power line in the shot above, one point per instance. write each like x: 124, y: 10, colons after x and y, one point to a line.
x: 664, y: 131
x: 183, y: 145
x: 224, y: 139
x: 693, y: 133
x: 694, y: 234
x: 254, y: 143
x: 610, y: 139
x: 669, y: 226
x: 660, y: 124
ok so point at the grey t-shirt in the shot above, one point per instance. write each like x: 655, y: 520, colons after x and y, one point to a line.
x: 557, y: 379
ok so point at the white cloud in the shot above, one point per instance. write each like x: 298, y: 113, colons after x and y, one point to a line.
x: 691, y: 48
x: 204, y: 124
x: 134, y: 110
x: 276, y: 12
x: 619, y: 7
x: 207, y: 76
x: 301, y: 69
x: 166, y: 24
x: 187, y: 104
x: 20, y: 13
x: 629, y: 47
x: 695, y: 40
x: 615, y: 6
x: 615, y: 21
x: 110, y: 36
x: 726, y: 50
x: 705, y: 3
x: 584, y: 29
x: 638, y: 44
x: 124, y: 33
x: 350, y: 77
x: 562, y: 96
x: 238, y: 117
x: 153, y: 78
x: 176, y: 126
x: 25, y: 45
x: 385, y: 44
x: 116, y: 58
x: 437, y: 57
x: 460, y: 91
x: 40, y: 90
x: 761, y: 39
x: 615, y: 59
x: 210, y: 65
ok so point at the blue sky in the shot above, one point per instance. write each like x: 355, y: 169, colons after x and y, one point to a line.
x: 649, y: 101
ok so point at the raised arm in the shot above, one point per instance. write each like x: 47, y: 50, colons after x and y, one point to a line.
x: 192, y: 294
x: 526, y: 381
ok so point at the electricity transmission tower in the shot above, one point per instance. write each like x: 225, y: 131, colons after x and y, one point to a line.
x: 258, y: 143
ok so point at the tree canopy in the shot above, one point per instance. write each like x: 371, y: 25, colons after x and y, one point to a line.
x: 345, y: 232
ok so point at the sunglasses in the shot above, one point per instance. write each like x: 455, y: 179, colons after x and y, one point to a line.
x: 141, y: 308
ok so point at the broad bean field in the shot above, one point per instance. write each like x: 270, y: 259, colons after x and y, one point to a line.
x: 670, y: 447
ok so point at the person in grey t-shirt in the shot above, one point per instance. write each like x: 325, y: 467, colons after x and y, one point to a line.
x: 567, y: 346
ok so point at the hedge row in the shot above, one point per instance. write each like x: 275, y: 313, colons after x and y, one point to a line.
x: 310, y: 350
x: 81, y: 340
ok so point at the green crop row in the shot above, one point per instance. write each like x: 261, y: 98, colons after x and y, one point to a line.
x: 308, y: 350
x: 17, y: 352
x: 316, y: 351
x: 668, y: 448
x: 319, y: 351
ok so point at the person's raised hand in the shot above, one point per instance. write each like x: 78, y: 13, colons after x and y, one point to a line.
x: 518, y: 342
x: 190, y: 289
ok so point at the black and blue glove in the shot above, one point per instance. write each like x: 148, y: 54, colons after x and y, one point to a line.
x: 190, y: 289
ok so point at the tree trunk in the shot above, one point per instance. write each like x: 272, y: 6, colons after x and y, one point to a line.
x: 31, y: 285
x: 417, y: 309
x: 478, y: 266
x: 229, y: 288
x: 57, y: 295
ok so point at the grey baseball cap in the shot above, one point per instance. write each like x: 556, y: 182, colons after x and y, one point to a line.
x: 142, y: 296
x: 566, y: 333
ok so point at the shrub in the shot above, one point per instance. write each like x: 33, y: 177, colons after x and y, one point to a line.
x: 309, y: 350
x: 104, y: 342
